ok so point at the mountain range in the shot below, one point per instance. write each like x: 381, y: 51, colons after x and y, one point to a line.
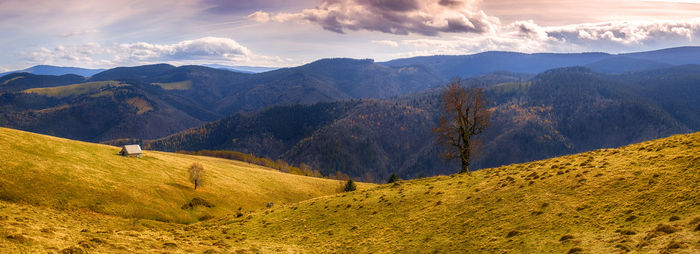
x: 56, y: 70
x: 369, y: 119
x: 244, y: 69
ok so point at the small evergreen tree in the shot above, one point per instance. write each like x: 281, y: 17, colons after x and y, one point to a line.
x: 350, y: 186
x: 392, y: 178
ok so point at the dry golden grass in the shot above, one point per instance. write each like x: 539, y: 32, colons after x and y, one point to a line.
x: 65, y: 174
x: 604, y: 201
x: 639, y: 198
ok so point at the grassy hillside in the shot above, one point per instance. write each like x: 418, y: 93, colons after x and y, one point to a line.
x: 74, y: 89
x: 181, y: 85
x: 16, y: 82
x: 65, y: 174
x: 639, y: 198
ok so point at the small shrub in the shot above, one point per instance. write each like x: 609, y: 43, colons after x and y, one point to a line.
x: 73, y: 250
x: 350, y: 186
x: 575, y: 250
x: 668, y: 229
x: 98, y: 240
x: 17, y: 238
x: 674, y: 245
x: 566, y: 237
x: 627, y: 232
x: 512, y: 233
x: 674, y: 218
x: 392, y: 178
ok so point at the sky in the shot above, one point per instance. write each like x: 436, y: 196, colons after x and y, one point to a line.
x: 279, y: 33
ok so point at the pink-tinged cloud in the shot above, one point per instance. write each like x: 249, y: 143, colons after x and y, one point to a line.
x: 628, y: 33
x: 207, y: 48
x: 202, y: 50
x: 526, y: 36
x: 388, y: 43
x: 425, y: 17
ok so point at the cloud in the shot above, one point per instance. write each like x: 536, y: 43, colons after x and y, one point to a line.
x: 425, y: 17
x: 202, y: 50
x: 528, y: 37
x: 80, y: 32
x: 259, y: 16
x: 386, y: 43
x: 627, y: 33
x: 228, y: 7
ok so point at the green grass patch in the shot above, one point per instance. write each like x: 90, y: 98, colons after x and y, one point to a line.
x: 180, y: 85
x: 74, y: 89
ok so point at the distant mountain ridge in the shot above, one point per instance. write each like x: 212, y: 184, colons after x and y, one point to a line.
x: 161, y: 99
x: 483, y: 63
x: 56, y: 71
x: 243, y: 69
x: 449, y: 66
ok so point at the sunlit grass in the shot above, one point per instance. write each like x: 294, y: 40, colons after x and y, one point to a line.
x: 181, y: 85
x: 74, y: 89
x: 67, y: 174
x: 639, y: 198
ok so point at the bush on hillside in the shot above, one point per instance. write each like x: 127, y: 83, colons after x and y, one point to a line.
x: 392, y: 178
x: 350, y: 186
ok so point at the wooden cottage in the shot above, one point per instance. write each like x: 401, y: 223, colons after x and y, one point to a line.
x: 131, y: 151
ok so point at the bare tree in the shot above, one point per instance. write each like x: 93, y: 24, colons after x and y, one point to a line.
x: 197, y: 173
x: 464, y: 114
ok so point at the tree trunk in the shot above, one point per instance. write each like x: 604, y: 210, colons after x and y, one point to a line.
x: 465, y: 162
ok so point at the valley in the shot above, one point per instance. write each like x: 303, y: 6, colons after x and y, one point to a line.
x: 363, y: 118
x: 350, y: 126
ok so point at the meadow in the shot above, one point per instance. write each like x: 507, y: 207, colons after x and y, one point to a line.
x: 639, y: 198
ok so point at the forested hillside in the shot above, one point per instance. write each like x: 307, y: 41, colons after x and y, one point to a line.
x: 558, y: 112
x: 363, y: 118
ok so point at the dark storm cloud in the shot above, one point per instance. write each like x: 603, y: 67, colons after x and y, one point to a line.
x: 426, y: 17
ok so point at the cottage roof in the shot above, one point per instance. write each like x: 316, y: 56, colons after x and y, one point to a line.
x: 132, y: 149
